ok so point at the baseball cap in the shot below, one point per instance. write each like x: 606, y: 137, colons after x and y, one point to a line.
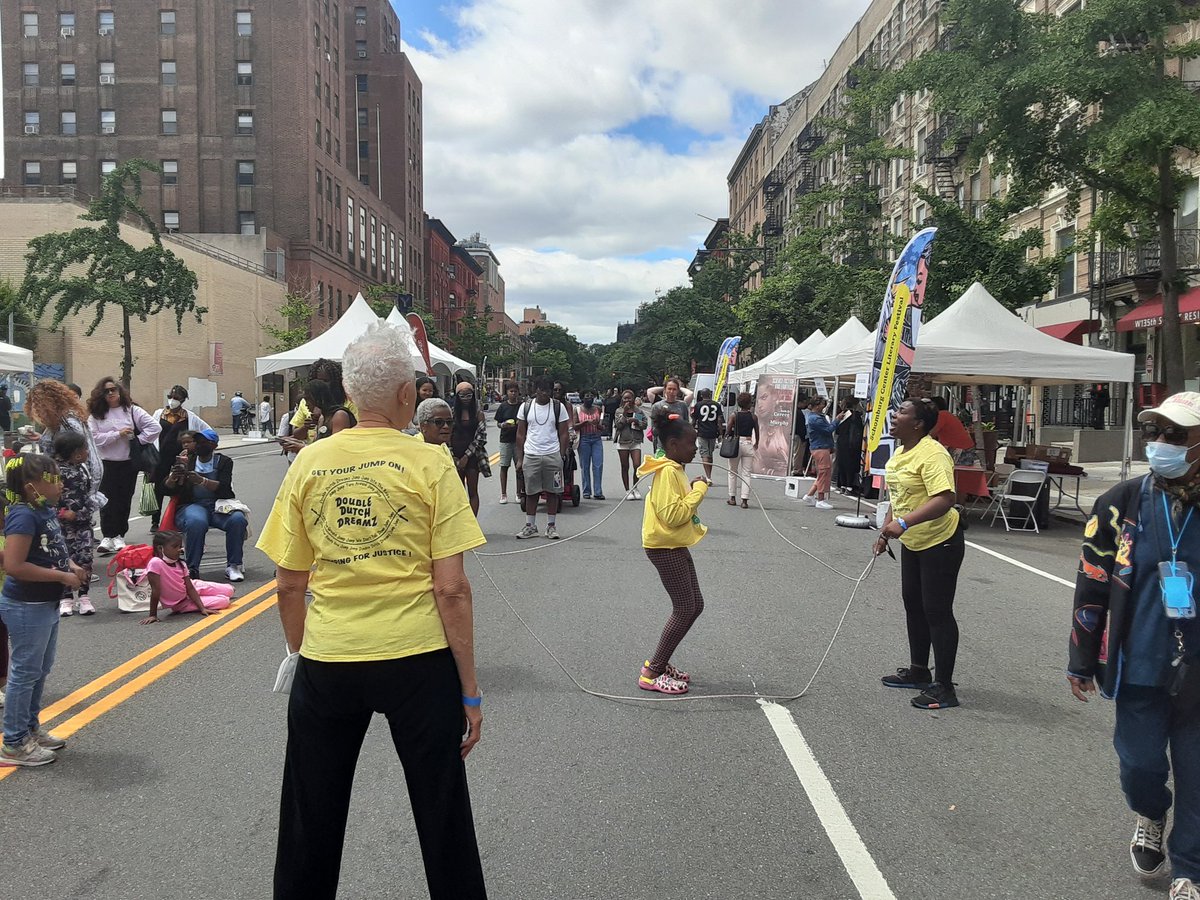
x: 209, y: 435
x: 1182, y: 409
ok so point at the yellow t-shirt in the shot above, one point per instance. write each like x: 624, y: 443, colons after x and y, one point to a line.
x: 371, y: 509
x: 914, y: 477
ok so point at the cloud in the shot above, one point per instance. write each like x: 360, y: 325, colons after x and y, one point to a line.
x: 523, y: 102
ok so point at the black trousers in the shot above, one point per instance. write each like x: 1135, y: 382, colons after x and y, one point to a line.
x: 330, y: 707
x: 117, y: 484
x: 928, y: 580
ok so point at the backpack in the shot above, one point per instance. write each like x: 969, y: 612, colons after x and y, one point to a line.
x: 528, y: 403
x: 128, y: 584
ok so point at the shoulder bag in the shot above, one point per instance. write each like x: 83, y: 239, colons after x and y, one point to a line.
x: 144, y: 456
x: 731, y: 444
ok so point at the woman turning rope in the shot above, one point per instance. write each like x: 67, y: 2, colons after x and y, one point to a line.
x: 669, y: 527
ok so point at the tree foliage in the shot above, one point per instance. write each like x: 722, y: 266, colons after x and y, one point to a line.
x: 474, y: 342
x: 24, y: 325
x: 96, y: 269
x: 296, y: 314
x: 559, y: 355
x: 1081, y: 102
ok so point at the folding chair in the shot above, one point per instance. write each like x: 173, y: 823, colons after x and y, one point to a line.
x: 997, y: 482
x: 1025, y: 477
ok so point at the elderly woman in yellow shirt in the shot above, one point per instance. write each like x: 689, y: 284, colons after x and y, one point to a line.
x: 920, y: 481
x: 381, y: 522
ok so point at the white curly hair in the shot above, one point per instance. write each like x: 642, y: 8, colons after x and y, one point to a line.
x: 375, y: 365
x: 428, y: 408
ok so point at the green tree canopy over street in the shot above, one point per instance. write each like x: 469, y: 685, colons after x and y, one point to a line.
x: 95, y: 268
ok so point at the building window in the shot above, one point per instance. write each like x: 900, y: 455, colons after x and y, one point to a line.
x: 362, y: 233
x: 107, y: 167
x: 29, y: 24
x: 170, y: 121
x: 70, y: 172
x: 29, y: 75
x: 245, y: 73
x: 360, y: 49
x: 170, y: 171
x: 245, y: 121
x: 66, y: 74
x: 328, y: 141
x: 364, y: 149
x: 350, y: 227
x: 1065, y: 240
x: 33, y: 173
x: 171, y: 219
x: 328, y: 188
x: 167, y: 67
x: 337, y: 107
x: 364, y: 177
x: 321, y: 299
x: 166, y: 21
x: 339, y: 303
x: 360, y: 16
x: 247, y: 223
x: 337, y: 196
x: 362, y: 83
x: 106, y: 21
x: 108, y: 73
x: 245, y: 23
x: 66, y: 20
x: 33, y: 122
x: 363, y: 117
x: 337, y: 150
x: 245, y: 173
x: 374, y: 244
x: 317, y: 84
x: 67, y: 122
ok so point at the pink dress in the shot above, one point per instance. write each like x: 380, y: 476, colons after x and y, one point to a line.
x: 173, y: 589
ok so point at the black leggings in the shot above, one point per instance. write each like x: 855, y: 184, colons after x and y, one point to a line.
x: 118, y: 484
x: 928, y: 579
x: 678, y: 574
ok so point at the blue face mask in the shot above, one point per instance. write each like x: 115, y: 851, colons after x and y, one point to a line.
x: 1168, y: 460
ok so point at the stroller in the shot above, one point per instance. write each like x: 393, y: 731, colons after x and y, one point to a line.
x: 570, y: 488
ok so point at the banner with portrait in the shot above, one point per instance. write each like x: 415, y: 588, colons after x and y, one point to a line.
x: 775, y: 406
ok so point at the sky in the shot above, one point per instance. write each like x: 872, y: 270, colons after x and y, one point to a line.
x: 586, y: 140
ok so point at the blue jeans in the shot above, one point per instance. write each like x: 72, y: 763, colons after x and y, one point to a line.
x: 1148, y: 722
x: 591, y: 463
x: 195, y: 519
x: 33, y: 634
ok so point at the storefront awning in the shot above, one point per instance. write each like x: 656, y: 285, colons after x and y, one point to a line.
x: 1071, y: 332
x: 1150, y: 313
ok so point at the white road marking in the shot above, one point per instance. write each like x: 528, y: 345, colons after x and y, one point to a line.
x: 842, y: 834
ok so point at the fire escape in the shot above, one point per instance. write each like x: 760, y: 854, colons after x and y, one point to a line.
x: 943, y: 149
x: 796, y: 174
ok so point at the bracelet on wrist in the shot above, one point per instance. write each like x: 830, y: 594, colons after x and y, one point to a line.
x: 473, y: 701
x: 903, y: 525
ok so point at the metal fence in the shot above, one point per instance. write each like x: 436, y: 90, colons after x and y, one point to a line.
x: 1076, y: 412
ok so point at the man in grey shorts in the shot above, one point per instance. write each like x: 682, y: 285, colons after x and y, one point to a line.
x: 539, y: 449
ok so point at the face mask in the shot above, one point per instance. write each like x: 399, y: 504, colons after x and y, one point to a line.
x: 588, y: 401
x: 173, y: 403
x: 1168, y: 460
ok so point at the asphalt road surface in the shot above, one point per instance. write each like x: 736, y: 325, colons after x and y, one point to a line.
x: 169, y: 787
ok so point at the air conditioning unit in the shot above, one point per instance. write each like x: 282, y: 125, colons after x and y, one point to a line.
x: 108, y: 79
x: 362, y: 54
x: 108, y: 129
x: 32, y: 129
x: 67, y: 32
x: 104, y: 32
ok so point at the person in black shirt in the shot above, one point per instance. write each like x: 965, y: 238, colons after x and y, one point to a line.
x: 611, y: 402
x: 506, y: 421
x: 5, y: 409
x: 709, y: 420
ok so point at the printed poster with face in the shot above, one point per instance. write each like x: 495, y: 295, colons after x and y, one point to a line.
x: 775, y: 406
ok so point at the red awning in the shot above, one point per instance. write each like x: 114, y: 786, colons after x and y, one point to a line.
x: 1072, y: 332
x: 1150, y: 313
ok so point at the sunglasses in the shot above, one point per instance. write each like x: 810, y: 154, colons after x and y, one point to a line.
x: 1172, y: 434
x: 441, y: 423
x: 112, y: 390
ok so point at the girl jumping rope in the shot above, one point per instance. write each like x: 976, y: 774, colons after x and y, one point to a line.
x: 171, y: 586
x: 669, y: 527
x: 38, y: 567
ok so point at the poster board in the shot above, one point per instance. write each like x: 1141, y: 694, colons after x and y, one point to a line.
x: 775, y: 406
x: 881, y: 454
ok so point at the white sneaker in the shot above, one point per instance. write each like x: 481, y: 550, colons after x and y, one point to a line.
x: 66, y: 607
x: 1184, y: 889
x: 810, y: 500
x: 637, y: 495
x: 1, y: 699
x: 821, y: 504
x: 503, y: 500
x: 235, y: 573
x: 85, y: 606
x: 29, y: 753
x: 106, y: 546
x: 118, y: 543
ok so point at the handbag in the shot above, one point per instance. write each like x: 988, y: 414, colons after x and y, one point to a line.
x: 731, y: 445
x: 144, y: 456
x: 131, y: 589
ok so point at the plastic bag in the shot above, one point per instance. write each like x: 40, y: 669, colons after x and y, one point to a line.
x: 148, y: 505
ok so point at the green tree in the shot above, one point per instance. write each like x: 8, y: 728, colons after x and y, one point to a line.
x: 577, y: 365
x: 296, y: 314
x: 474, y: 342
x: 1081, y: 101
x: 25, y: 332
x: 95, y: 268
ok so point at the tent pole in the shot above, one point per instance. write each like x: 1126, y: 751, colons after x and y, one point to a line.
x: 1128, y: 456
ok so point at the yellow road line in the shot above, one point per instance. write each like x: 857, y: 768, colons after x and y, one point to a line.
x: 493, y: 459
x: 112, y: 676
x: 111, y: 701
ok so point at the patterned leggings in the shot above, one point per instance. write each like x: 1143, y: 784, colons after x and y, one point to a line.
x: 678, y: 574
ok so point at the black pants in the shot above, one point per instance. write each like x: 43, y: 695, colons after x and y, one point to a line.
x: 928, y: 579
x: 117, y: 484
x: 330, y: 707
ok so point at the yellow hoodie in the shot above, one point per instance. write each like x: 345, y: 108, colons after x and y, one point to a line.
x: 670, y: 518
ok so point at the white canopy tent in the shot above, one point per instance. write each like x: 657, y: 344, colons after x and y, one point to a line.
x: 848, y: 335
x: 330, y: 344
x: 15, y: 359
x: 437, y: 356
x: 752, y: 371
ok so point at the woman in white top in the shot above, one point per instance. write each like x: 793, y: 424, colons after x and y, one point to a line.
x: 114, y: 421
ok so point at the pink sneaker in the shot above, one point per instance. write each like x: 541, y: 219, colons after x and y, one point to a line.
x: 663, y: 684
x: 670, y: 671
x: 85, y: 606
x: 66, y: 607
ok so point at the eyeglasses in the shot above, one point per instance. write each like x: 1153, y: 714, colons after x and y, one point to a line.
x: 112, y: 390
x: 440, y: 423
x: 1172, y: 434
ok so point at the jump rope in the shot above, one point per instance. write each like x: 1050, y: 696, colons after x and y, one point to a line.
x: 781, y: 698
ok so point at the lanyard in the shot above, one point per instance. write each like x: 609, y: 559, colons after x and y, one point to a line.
x: 1171, y: 536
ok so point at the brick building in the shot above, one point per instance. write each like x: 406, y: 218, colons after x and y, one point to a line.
x: 254, y: 110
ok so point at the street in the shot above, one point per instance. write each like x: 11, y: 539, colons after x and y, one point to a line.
x: 169, y: 787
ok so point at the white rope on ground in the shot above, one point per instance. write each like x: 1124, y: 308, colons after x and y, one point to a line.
x: 780, y: 698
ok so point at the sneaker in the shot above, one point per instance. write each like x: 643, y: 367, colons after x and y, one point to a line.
x: 46, y: 739
x: 85, y: 606
x: 503, y: 500
x: 821, y: 504
x: 94, y: 578
x: 552, y: 532
x: 106, y: 547
x: 29, y: 753
x: 671, y: 672
x: 235, y: 573
x: 936, y: 696
x: 663, y: 684
x: 66, y: 607
x: 910, y: 677
x: 598, y: 497
x: 1, y: 699
x: 529, y: 531
x: 810, y: 501
x: 1146, y: 848
x: 587, y: 496
x: 637, y: 495
x: 118, y: 543
x: 1184, y: 889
